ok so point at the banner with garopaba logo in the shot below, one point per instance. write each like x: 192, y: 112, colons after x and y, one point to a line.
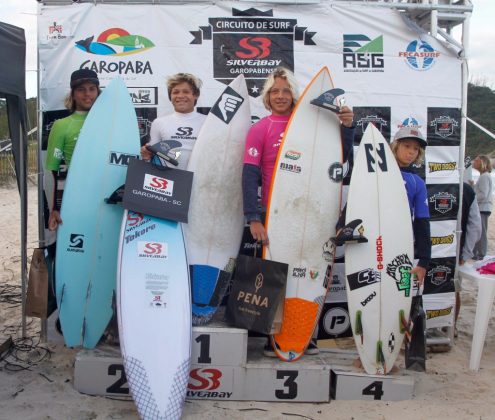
x: 393, y: 73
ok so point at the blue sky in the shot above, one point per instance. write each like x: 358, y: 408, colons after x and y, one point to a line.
x: 22, y: 13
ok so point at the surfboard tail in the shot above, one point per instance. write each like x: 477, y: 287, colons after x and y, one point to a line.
x: 299, y: 321
x: 209, y: 285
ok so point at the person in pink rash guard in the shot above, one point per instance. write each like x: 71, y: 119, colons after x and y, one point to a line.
x: 263, y: 141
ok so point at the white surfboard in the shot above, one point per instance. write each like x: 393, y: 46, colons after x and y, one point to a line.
x: 302, y: 212
x: 377, y: 272
x: 214, y: 230
x: 154, y: 313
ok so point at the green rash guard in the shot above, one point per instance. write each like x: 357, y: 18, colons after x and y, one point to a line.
x: 62, y: 140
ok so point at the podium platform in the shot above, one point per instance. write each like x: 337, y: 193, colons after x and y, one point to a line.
x: 226, y: 365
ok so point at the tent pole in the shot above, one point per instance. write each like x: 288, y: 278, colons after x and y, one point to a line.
x: 23, y: 192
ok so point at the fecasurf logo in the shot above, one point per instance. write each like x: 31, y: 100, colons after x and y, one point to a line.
x: 409, y: 122
x: 152, y: 249
x: 253, y: 43
x: 362, y: 54
x: 122, y: 159
x: 444, y: 126
x: 76, y: 243
x: 158, y: 185
x: 116, y: 42
x: 419, y: 55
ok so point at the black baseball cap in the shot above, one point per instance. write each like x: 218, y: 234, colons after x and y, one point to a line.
x: 81, y: 76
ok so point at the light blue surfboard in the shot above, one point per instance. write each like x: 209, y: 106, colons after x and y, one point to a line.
x: 88, y: 239
x: 154, y: 309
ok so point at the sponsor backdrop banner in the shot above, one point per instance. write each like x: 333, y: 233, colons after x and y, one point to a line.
x: 393, y: 73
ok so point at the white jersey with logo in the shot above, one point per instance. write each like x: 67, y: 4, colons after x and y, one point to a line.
x: 180, y: 131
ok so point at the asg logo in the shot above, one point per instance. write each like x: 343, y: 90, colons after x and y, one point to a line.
x: 152, y: 249
x: 336, y: 321
x: 204, y: 379
x: 158, y: 185
x: 362, y: 54
x: 419, y: 55
x: 121, y: 159
x: 134, y: 219
x: 256, y: 47
x: 115, y: 42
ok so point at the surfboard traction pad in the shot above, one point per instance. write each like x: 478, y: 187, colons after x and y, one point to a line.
x: 143, y: 397
x: 300, y: 319
x: 208, y: 288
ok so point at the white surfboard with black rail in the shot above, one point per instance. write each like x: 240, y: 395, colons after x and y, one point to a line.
x: 377, y: 272
x: 214, y: 230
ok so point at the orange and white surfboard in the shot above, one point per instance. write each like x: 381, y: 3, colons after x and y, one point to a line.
x: 303, y: 209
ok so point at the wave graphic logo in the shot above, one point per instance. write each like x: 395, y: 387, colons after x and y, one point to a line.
x: 115, y: 42
x: 420, y: 55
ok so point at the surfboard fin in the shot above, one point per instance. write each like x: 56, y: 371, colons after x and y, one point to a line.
x: 352, y: 232
x: 331, y: 99
x: 358, y: 327
x: 404, y: 327
x: 117, y: 196
x: 162, y: 150
x: 380, y: 357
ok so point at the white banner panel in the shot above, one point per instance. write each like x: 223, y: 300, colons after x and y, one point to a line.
x: 439, y: 309
x: 443, y: 238
x: 371, y: 53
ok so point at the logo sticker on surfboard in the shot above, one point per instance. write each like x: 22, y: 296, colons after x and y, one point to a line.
x: 152, y: 249
x: 400, y: 270
x: 363, y: 278
x: 227, y: 105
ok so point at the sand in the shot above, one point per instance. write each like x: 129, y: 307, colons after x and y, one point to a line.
x: 45, y: 390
